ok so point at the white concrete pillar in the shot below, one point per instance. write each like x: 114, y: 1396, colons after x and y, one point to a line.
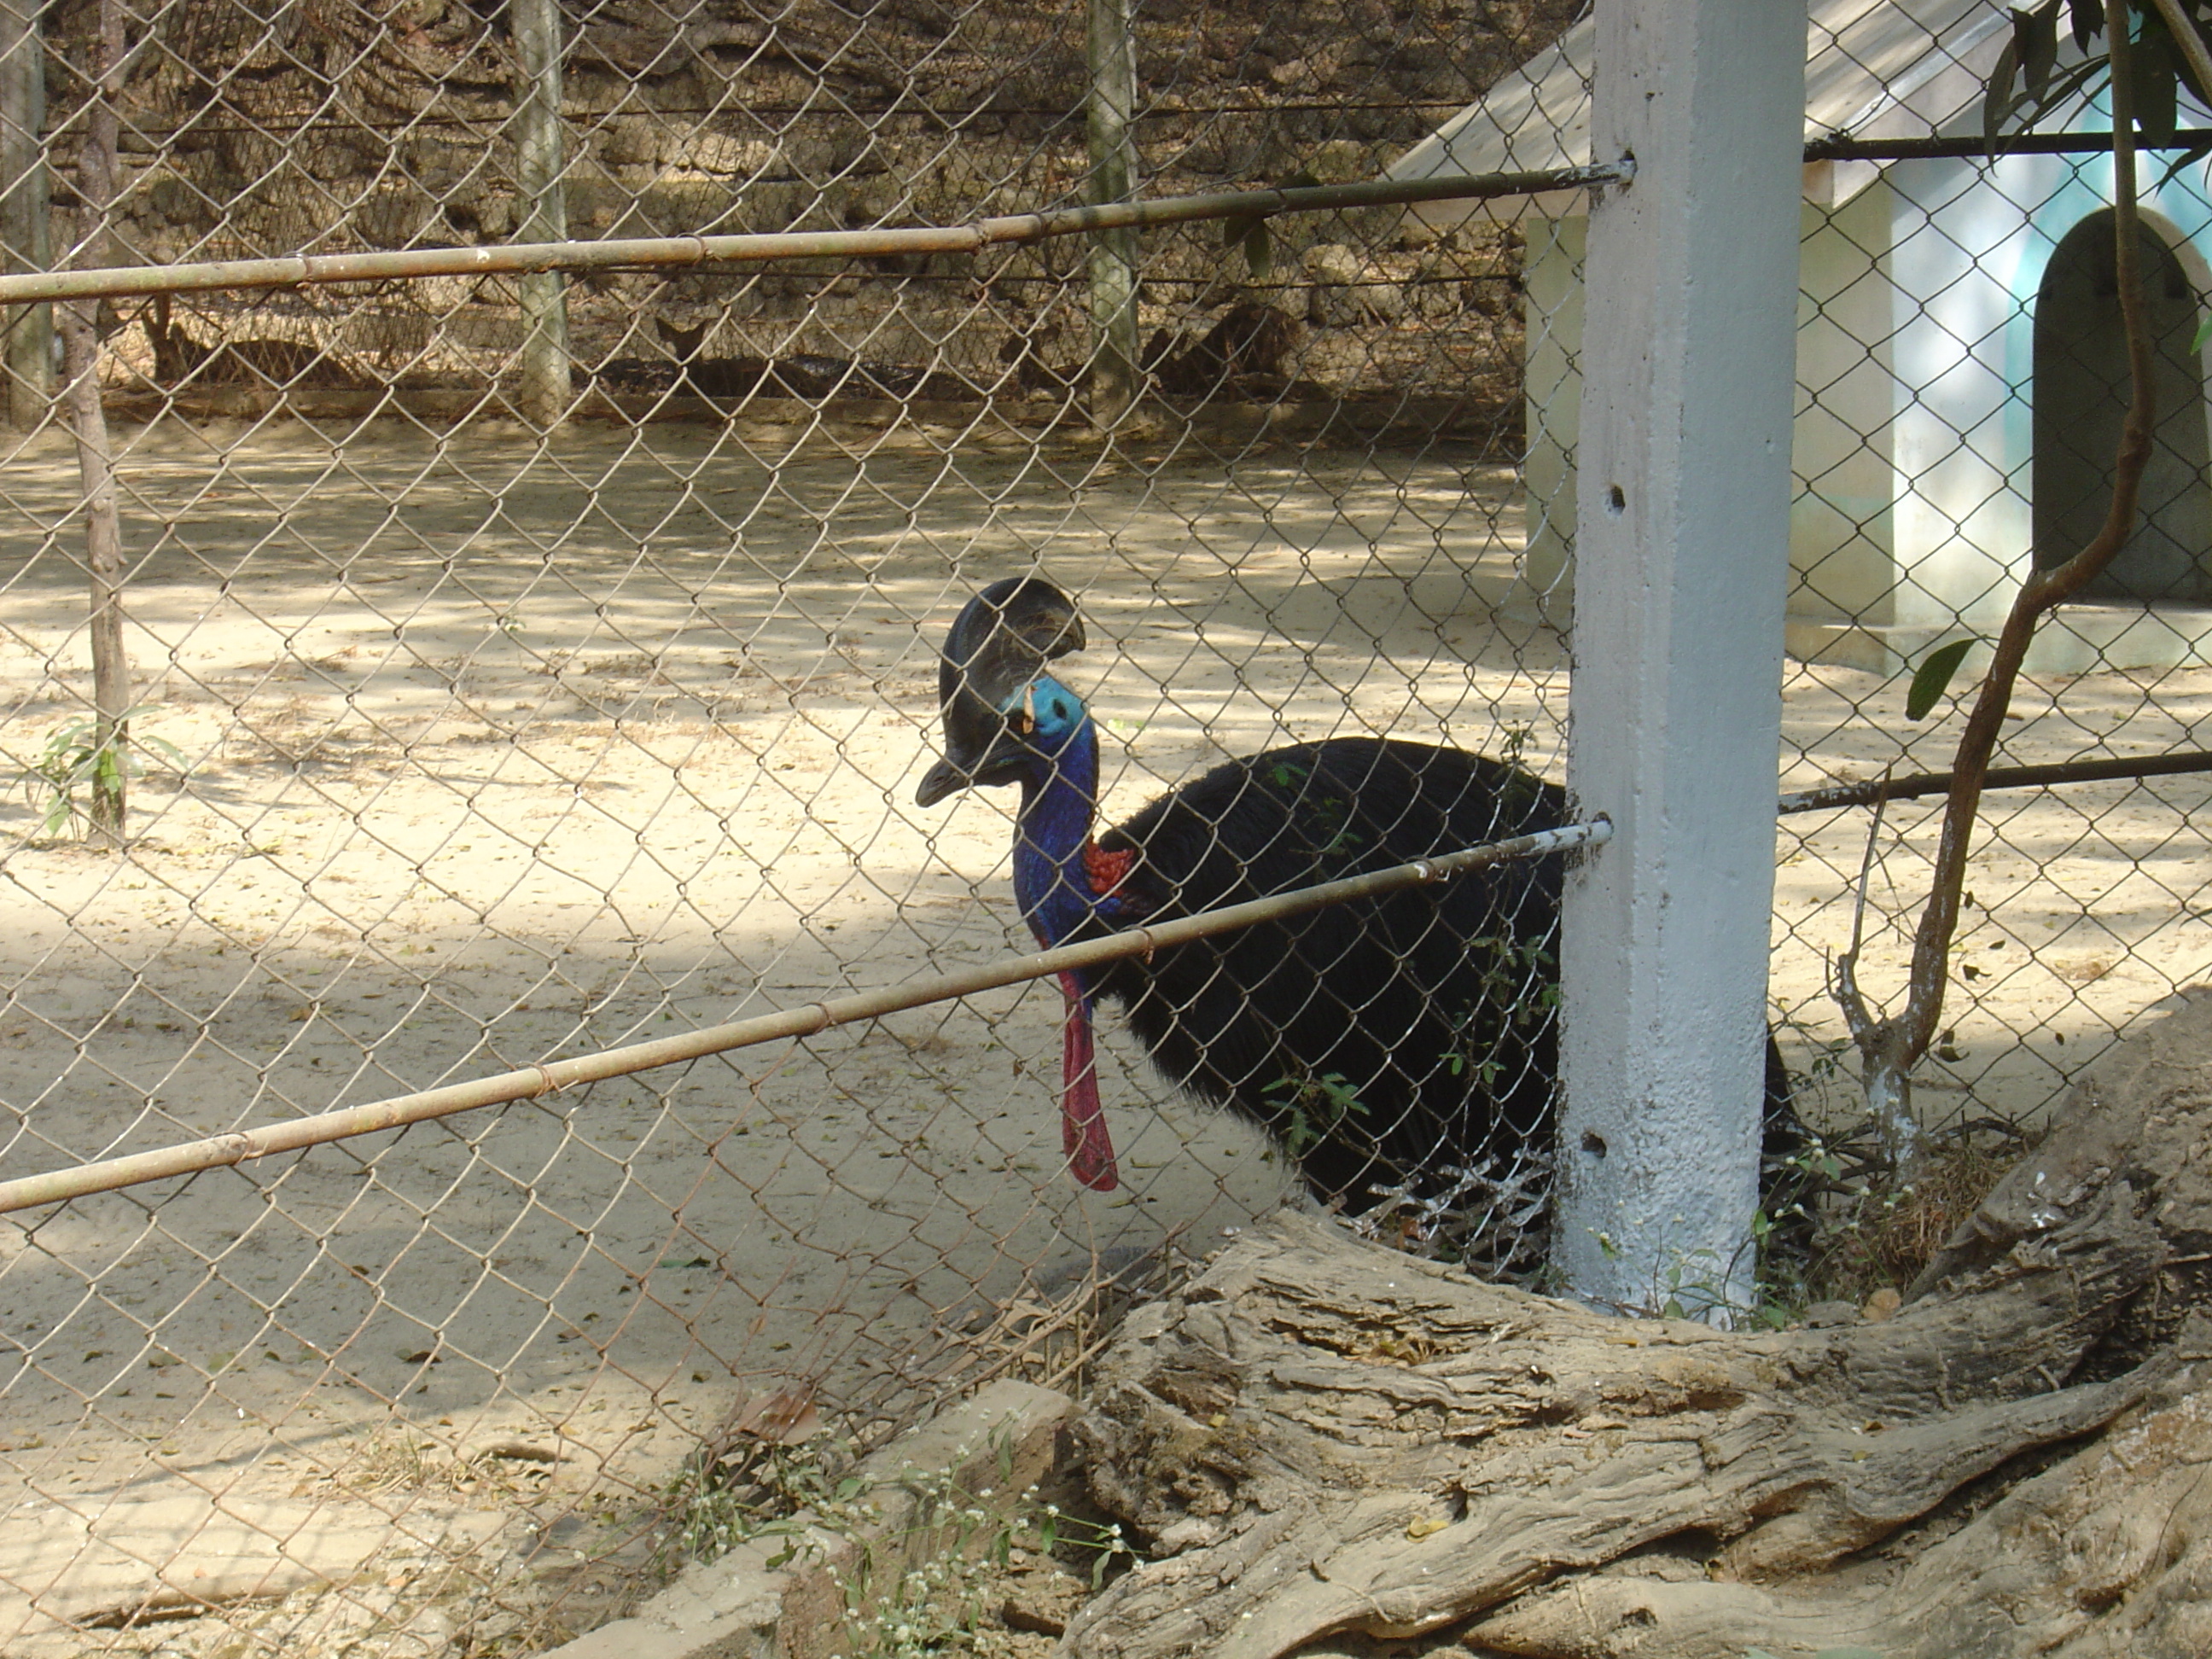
x: 1681, y: 563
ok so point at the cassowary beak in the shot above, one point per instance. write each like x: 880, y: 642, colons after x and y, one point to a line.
x: 982, y: 746
x: 1001, y: 764
x: 943, y: 779
x: 1000, y: 642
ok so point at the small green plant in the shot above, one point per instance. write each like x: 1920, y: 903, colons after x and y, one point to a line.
x: 1697, y: 1287
x: 1101, y: 1543
x: 925, y: 1586
x: 932, y: 1610
x: 1314, y: 1105
x: 1518, y: 978
x: 1330, y: 815
x: 78, y: 769
x: 723, y: 1495
x: 940, y: 1607
x: 1335, y: 815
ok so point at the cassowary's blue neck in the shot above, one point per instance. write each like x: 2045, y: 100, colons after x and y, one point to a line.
x: 1060, y: 799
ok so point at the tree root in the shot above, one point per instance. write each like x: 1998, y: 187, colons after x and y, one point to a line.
x: 1320, y: 1437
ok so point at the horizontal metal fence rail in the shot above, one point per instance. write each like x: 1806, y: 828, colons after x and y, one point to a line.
x: 1921, y: 784
x: 526, y: 1082
x: 531, y: 1082
x: 308, y: 269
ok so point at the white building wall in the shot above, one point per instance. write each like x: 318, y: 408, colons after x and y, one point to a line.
x: 1912, y: 443
x: 1841, y: 514
x: 1552, y: 294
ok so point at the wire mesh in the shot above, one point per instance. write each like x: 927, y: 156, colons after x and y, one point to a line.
x: 462, y: 743
x: 1959, y: 390
x: 465, y: 743
x: 1959, y: 379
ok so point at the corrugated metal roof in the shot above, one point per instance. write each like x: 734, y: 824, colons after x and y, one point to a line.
x: 1884, y: 68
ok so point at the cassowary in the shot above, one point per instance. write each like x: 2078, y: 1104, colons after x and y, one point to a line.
x: 1379, y: 1040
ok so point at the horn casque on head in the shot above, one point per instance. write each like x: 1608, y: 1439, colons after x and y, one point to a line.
x: 1000, y: 642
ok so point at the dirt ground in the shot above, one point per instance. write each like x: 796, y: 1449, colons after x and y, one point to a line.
x: 497, y: 753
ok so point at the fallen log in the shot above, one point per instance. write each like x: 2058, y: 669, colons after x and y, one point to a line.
x: 1320, y: 1437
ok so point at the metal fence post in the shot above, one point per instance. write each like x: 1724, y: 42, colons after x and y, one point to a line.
x: 540, y: 163
x: 1681, y: 565
x: 26, y: 198
x: 1114, y: 363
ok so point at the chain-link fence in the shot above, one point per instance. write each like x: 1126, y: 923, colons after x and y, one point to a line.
x: 461, y: 746
x: 1962, y: 380
x: 465, y: 740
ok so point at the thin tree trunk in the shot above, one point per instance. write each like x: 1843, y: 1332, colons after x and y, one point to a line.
x: 1890, y: 1047
x: 25, y: 205
x: 103, y: 537
x: 539, y: 165
x: 1114, y: 364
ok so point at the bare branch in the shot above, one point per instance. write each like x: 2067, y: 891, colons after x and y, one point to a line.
x: 1848, y: 995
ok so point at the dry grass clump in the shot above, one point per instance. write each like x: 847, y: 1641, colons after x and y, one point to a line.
x: 1872, y: 1234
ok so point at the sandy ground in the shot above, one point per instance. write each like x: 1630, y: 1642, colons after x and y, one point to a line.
x: 497, y: 754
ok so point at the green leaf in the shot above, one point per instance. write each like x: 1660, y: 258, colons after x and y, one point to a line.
x: 1934, y: 675
x: 2088, y: 18
x: 2195, y: 152
x: 2035, y: 43
x: 2157, y: 83
x: 2204, y: 334
x: 1251, y: 235
x: 2056, y: 92
x: 1998, y: 100
x: 1259, y: 252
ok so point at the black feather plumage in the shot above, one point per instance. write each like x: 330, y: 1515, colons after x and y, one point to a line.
x: 1377, y: 1040
x: 1385, y: 1042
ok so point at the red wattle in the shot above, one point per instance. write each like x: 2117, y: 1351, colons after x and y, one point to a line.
x: 1083, y: 1135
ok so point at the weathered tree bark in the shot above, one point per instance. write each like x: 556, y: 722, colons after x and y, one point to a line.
x: 2143, y: 1115
x: 1115, y: 371
x: 540, y: 174
x: 2107, y: 1555
x: 1323, y: 1437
